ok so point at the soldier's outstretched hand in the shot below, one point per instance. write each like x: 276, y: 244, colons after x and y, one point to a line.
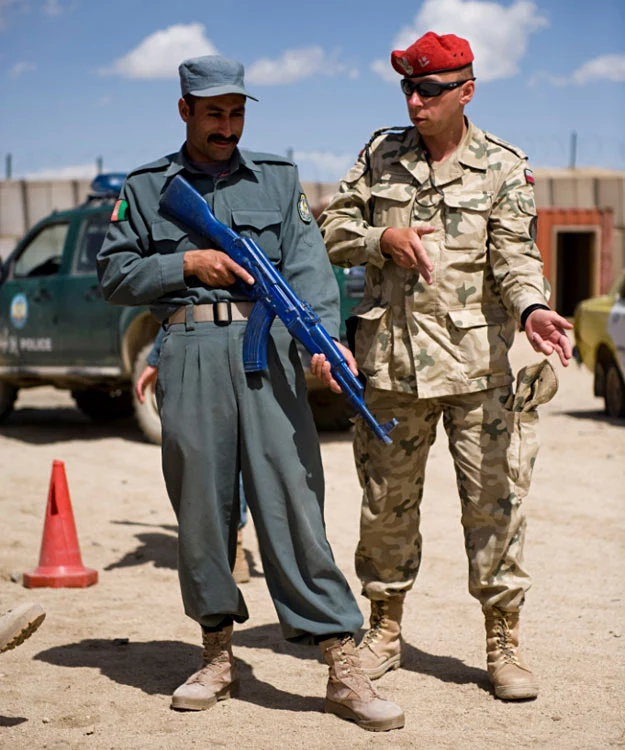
x: 404, y: 246
x: 546, y: 331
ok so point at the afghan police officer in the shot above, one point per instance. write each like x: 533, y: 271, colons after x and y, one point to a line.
x: 442, y: 215
x: 216, y: 419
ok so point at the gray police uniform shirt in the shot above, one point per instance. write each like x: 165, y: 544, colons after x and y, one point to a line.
x: 141, y: 260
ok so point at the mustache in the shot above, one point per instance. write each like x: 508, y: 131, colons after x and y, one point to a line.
x: 220, y: 139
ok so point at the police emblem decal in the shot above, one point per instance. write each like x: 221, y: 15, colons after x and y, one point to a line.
x: 303, y: 209
x: 18, y: 311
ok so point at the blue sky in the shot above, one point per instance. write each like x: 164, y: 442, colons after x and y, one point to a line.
x: 82, y: 79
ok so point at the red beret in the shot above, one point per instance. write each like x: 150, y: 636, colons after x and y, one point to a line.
x: 432, y: 54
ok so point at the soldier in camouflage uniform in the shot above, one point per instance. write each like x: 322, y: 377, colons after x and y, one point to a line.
x: 442, y: 215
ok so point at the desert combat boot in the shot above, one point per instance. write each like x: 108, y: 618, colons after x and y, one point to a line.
x: 350, y: 693
x: 216, y: 678
x: 512, y: 680
x: 380, y: 648
x: 19, y: 623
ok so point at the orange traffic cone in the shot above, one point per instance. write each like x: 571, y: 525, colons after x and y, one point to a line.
x: 60, y: 565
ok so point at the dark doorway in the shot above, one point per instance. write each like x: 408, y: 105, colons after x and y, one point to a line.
x: 575, y: 264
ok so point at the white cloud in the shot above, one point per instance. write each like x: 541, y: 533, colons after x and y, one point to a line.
x: 498, y: 34
x: 385, y: 70
x: 20, y: 68
x: 323, y: 165
x: 160, y: 54
x: 607, y: 67
x: 75, y: 172
x: 294, y: 65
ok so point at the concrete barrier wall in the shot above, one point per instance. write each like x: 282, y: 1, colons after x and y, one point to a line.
x: 24, y: 203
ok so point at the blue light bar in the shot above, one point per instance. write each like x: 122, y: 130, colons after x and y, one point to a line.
x: 107, y: 185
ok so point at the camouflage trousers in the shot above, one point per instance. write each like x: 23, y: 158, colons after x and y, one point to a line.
x: 493, y: 442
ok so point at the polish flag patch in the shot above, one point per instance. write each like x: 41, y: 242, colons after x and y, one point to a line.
x: 529, y: 177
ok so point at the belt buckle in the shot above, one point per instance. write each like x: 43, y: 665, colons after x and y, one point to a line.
x: 218, y: 309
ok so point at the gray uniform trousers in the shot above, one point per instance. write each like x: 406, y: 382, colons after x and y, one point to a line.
x: 216, y: 419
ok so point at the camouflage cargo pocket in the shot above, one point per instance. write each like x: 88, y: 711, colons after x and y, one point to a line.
x: 373, y: 340
x: 536, y: 385
x: 466, y: 220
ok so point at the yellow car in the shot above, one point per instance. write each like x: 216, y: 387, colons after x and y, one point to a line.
x: 600, y: 345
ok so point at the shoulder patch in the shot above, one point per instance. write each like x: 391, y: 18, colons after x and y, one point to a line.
x: 504, y: 144
x: 529, y: 177
x: 120, y: 212
x: 303, y: 209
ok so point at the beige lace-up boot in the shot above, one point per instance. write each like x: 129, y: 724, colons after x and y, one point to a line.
x: 19, y: 623
x: 350, y: 693
x: 512, y: 680
x: 216, y: 679
x: 380, y: 648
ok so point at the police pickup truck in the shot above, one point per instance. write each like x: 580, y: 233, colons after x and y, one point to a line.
x: 56, y: 329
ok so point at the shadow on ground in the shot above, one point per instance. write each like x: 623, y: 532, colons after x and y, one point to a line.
x: 59, y: 425
x: 595, y: 416
x: 161, y: 549
x: 158, y: 667
x: 11, y: 721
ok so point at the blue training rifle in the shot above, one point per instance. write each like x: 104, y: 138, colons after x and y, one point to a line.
x: 273, y: 296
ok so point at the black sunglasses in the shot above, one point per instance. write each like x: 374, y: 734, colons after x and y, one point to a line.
x: 428, y: 89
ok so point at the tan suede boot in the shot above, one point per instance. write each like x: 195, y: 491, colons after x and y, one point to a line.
x: 380, y: 648
x: 19, y: 623
x: 216, y: 679
x: 511, y: 678
x: 350, y: 693
x: 241, y: 570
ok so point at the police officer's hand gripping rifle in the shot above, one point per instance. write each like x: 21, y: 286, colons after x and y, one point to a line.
x: 274, y: 297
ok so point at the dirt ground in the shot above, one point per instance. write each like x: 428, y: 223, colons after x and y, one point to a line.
x: 99, y: 672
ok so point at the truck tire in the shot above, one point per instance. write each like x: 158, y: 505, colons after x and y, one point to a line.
x: 104, y: 406
x: 331, y: 411
x: 146, y: 413
x: 8, y: 395
x: 614, y: 392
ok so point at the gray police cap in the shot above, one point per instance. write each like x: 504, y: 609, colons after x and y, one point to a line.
x: 212, y: 75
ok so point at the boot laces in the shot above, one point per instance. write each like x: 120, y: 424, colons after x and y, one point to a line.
x: 214, y: 657
x: 379, y: 611
x: 505, y: 643
x: 352, y: 671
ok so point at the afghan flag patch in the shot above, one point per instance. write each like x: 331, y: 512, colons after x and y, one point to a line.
x: 529, y: 177
x: 120, y: 212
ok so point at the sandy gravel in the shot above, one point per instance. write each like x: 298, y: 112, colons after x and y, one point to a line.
x: 99, y: 672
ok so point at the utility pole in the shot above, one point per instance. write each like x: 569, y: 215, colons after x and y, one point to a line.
x: 98, y: 165
x: 8, y: 166
x: 573, y: 157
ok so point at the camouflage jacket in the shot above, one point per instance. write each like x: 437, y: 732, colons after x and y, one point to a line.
x: 452, y: 336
